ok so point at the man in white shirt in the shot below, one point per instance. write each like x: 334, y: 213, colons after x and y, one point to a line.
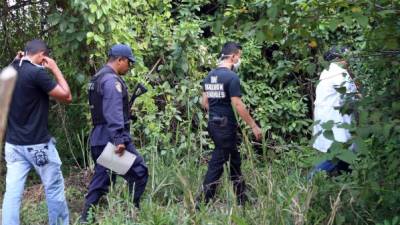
x: 327, y: 107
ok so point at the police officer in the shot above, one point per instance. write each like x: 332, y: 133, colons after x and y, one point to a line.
x: 221, y: 91
x: 108, y: 99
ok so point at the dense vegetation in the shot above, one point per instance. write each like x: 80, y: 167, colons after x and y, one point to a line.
x: 176, y: 44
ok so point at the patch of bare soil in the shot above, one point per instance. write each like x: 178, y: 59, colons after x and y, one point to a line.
x: 75, y: 184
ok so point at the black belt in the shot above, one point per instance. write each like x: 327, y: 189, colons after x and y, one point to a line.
x: 220, y: 120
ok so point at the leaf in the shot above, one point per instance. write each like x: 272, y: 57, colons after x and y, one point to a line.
x: 341, y: 90
x: 362, y: 20
x: 345, y: 126
x: 311, y: 68
x: 80, y: 37
x: 387, y: 128
x: 333, y: 24
x: 396, y: 220
x: 328, y: 125
x: 63, y: 26
x: 91, y: 19
x: 348, y: 20
x: 93, y: 8
x: 347, y: 156
x: 260, y: 36
x: 99, y: 13
x: 104, y: 8
x: 101, y: 27
x: 54, y: 19
x: 272, y: 12
x: 328, y: 134
x: 70, y: 30
x: 184, y: 65
x: 217, y: 26
x: 90, y: 35
x: 340, y: 220
x: 179, y: 118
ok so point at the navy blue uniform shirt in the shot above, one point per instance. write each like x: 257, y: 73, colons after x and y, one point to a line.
x: 29, y: 109
x: 220, y: 85
x: 116, y: 130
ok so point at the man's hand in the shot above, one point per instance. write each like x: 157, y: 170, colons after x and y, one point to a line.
x: 204, y: 101
x: 257, y: 132
x: 19, y: 55
x: 120, y: 149
x: 50, y: 64
x: 61, y: 92
x: 241, y: 109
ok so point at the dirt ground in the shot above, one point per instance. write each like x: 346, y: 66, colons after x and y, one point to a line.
x: 78, y: 181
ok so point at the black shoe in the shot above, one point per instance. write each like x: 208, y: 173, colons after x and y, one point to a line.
x: 197, y: 205
x: 242, y: 200
x: 136, y: 204
x: 83, y: 220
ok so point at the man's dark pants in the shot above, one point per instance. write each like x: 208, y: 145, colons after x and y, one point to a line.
x: 225, y: 140
x: 136, y: 177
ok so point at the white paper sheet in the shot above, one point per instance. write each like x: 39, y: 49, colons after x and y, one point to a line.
x: 114, y: 162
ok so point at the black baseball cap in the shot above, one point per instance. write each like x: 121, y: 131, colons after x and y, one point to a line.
x: 122, y: 50
x: 230, y: 48
x: 35, y: 46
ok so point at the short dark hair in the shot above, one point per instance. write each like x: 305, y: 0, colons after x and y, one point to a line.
x: 113, y: 58
x: 35, y: 46
x: 230, y: 48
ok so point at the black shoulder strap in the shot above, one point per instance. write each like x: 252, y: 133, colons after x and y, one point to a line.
x: 96, y: 79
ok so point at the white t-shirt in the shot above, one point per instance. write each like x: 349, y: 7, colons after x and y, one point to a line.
x: 327, y: 98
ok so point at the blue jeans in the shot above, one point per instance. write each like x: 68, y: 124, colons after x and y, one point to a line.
x: 329, y: 167
x: 44, y: 158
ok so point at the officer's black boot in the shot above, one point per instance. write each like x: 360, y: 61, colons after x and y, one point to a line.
x: 242, y: 200
x: 240, y: 190
x: 85, y: 214
x: 138, y: 188
x: 199, y: 200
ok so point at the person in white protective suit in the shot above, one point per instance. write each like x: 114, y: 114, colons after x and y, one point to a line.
x: 326, y: 107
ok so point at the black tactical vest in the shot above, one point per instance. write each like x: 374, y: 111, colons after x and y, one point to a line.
x: 96, y: 97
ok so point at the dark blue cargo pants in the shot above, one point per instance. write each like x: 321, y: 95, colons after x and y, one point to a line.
x: 136, y: 177
x: 225, y: 138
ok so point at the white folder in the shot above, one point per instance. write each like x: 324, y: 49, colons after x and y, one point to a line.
x: 114, y: 162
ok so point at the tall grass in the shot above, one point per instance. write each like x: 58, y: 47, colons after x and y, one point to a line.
x: 278, y: 190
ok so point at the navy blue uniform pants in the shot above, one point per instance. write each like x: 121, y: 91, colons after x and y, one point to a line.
x: 224, y: 137
x: 136, y: 177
